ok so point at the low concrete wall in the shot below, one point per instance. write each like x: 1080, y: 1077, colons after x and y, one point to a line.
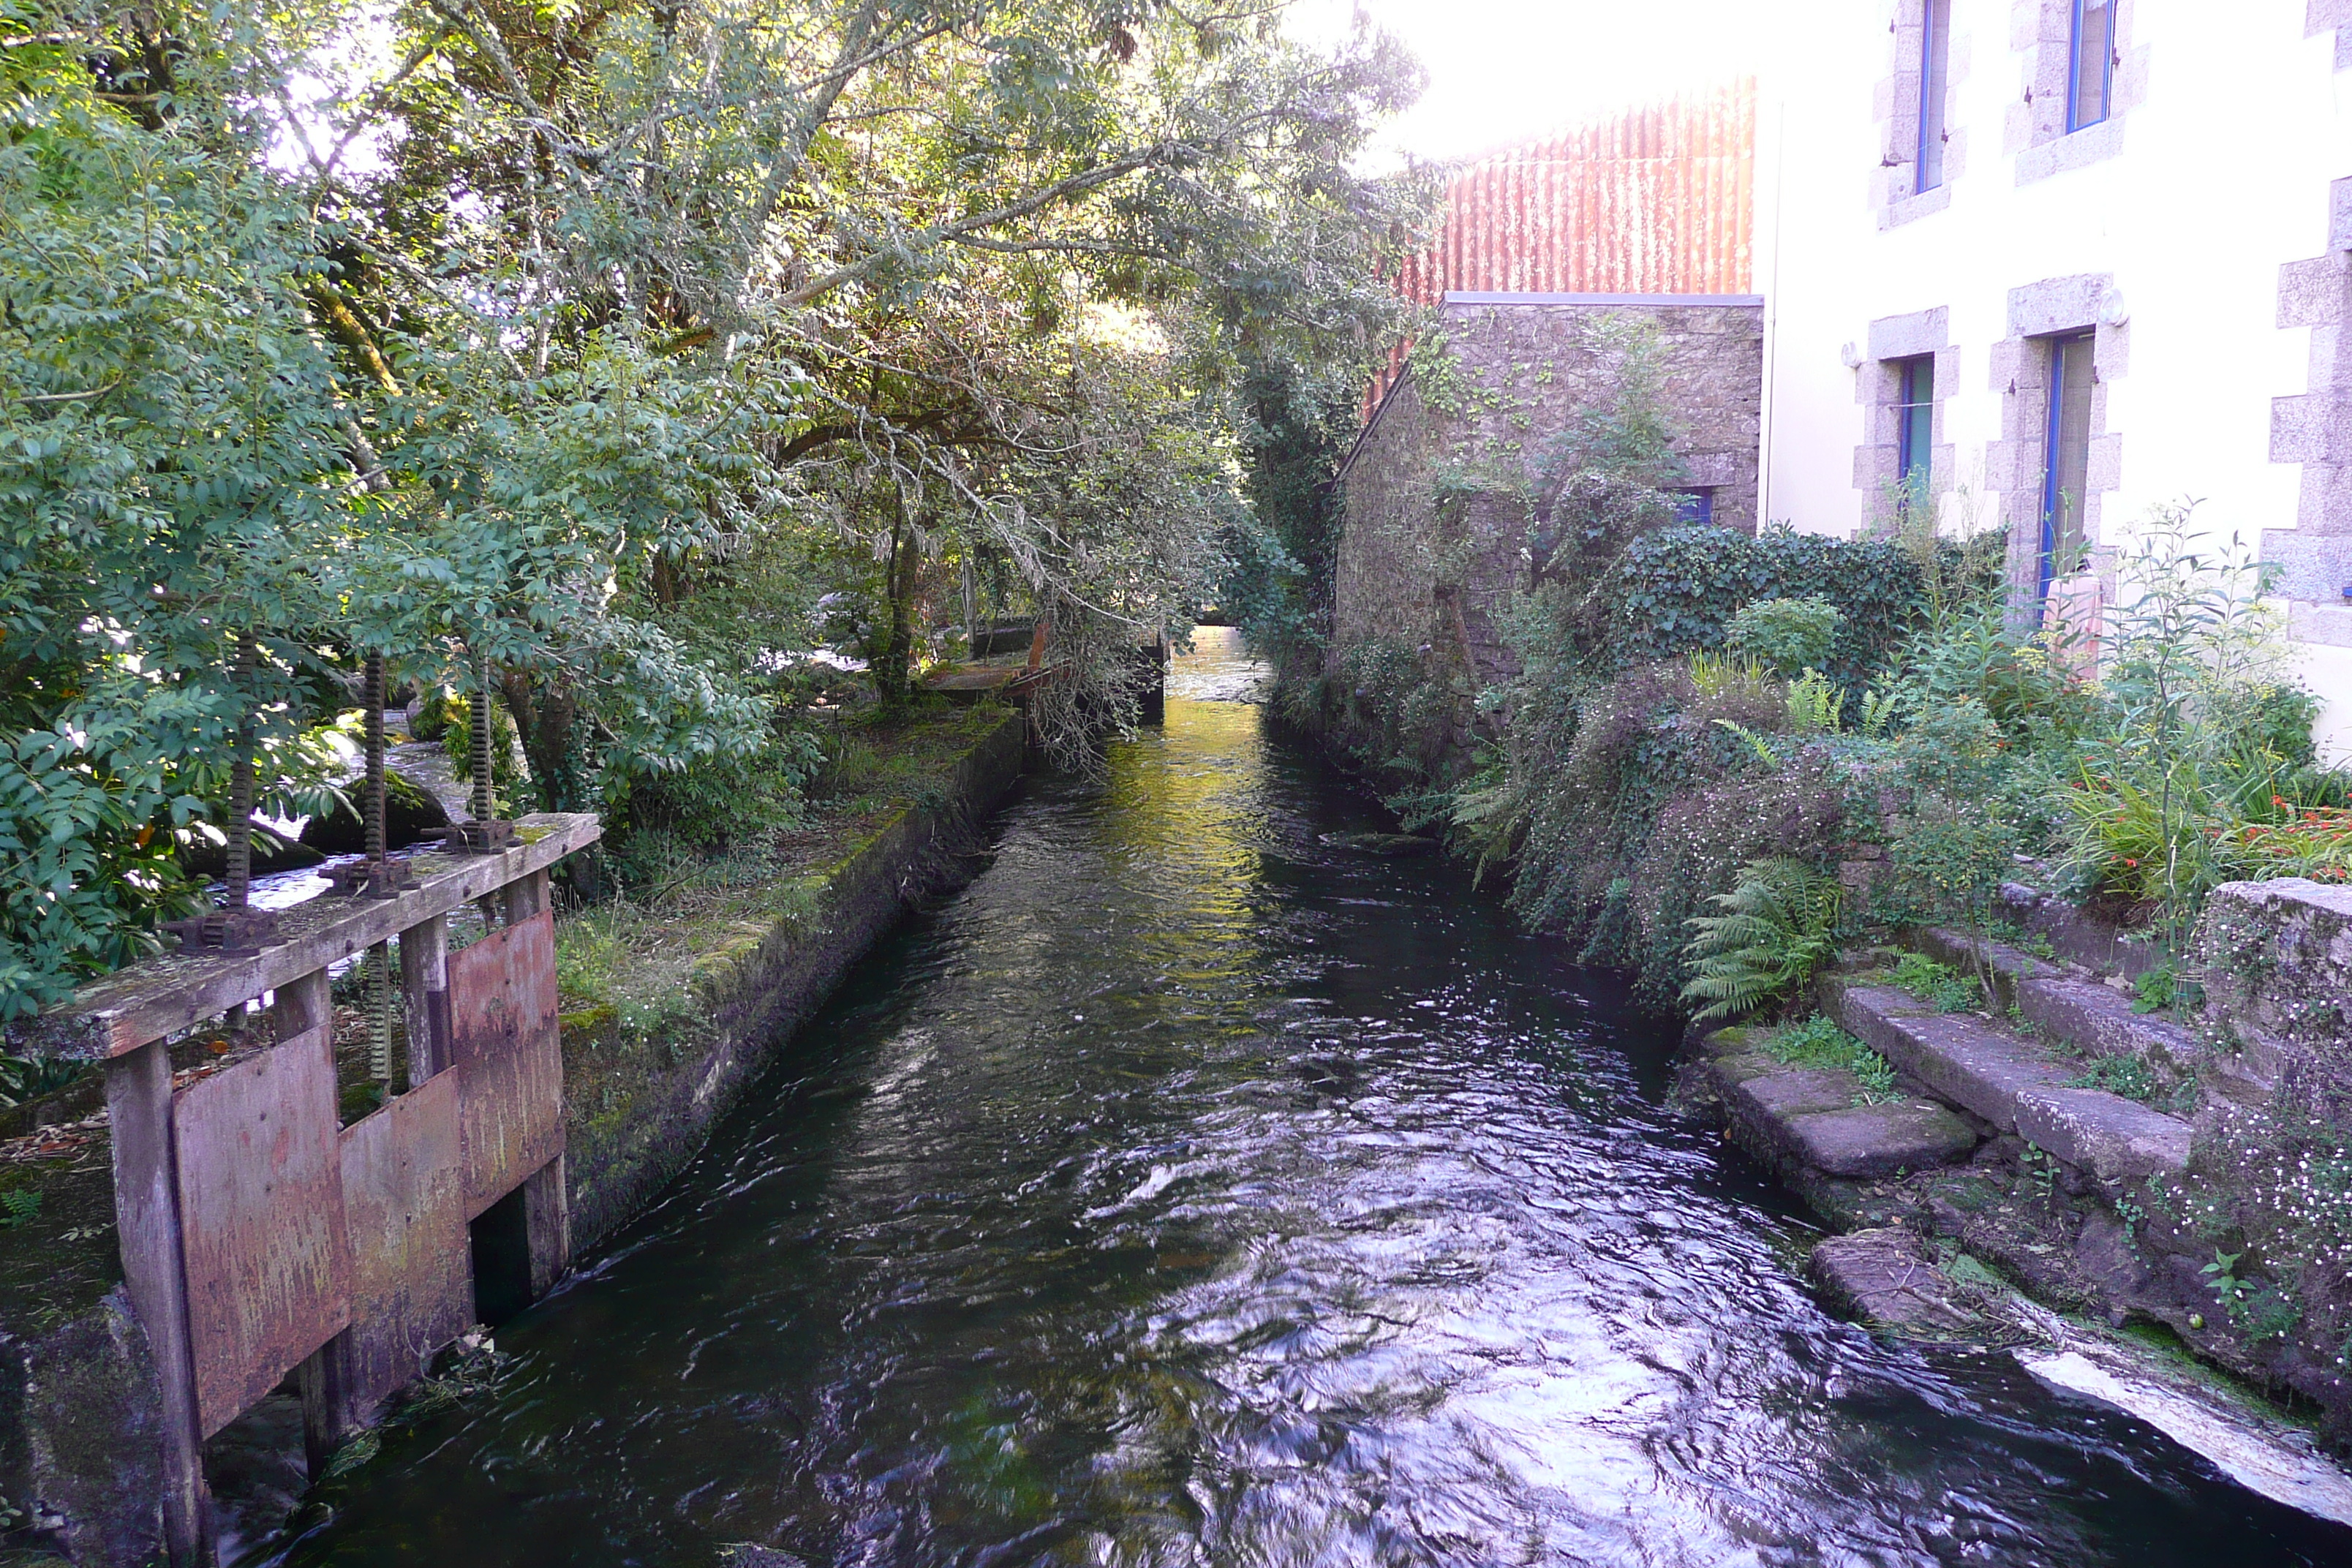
x: 636, y: 1109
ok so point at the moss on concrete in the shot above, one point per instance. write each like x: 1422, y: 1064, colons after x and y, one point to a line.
x: 672, y: 1006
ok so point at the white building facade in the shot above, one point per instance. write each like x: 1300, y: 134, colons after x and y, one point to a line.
x: 2057, y: 262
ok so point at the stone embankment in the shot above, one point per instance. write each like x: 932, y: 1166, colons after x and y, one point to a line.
x: 2034, y: 1131
x: 648, y: 1074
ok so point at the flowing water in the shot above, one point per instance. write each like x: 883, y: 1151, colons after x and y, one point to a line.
x: 1200, y: 1188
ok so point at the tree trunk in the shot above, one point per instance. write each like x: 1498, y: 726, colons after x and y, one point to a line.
x: 547, y: 721
x: 890, y: 677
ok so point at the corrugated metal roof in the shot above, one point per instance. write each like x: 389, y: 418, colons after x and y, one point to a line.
x: 1658, y: 200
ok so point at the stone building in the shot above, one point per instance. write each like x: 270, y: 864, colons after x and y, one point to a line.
x: 2054, y: 263
x: 1547, y: 254
x: 1448, y: 479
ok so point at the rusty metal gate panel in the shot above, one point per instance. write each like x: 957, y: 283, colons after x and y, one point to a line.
x: 404, y: 1207
x: 509, y: 1060
x: 261, y: 1215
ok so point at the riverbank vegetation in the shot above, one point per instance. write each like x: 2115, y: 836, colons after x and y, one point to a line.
x: 1721, y: 756
x: 672, y: 376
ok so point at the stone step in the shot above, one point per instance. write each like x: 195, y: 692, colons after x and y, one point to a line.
x: 2011, y: 1082
x: 1820, y: 1117
x: 2092, y: 1018
x: 2099, y: 1022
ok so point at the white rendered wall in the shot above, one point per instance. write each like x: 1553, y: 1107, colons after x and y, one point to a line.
x: 2221, y: 175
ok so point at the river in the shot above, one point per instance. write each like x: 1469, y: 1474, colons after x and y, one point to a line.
x: 1195, y: 1189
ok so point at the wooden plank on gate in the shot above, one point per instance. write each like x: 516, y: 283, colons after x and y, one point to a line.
x: 404, y: 1206
x: 509, y: 1060
x: 261, y: 1217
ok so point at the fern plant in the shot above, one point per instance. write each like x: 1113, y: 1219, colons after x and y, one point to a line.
x: 1779, y: 925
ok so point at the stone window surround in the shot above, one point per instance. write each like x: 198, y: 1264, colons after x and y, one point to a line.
x: 2314, y: 430
x: 2014, y: 464
x: 2042, y: 31
x: 1894, y: 195
x: 1878, y: 387
x: 2320, y: 15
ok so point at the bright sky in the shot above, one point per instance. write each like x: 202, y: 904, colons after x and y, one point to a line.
x: 1500, y: 70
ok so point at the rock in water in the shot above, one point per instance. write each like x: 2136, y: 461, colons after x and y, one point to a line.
x: 1384, y: 843
x: 1886, y: 1278
x: 2260, y: 1454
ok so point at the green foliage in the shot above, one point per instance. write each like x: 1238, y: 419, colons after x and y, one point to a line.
x: 19, y: 1205
x: 1676, y: 589
x: 635, y: 350
x: 1816, y: 1042
x: 2123, y: 1075
x: 2156, y: 990
x: 24, y: 1079
x: 434, y: 714
x: 1939, y: 985
x: 1609, y: 476
x: 1815, y: 707
x: 1780, y: 924
x: 2197, y: 747
x: 1957, y: 841
x: 457, y: 735
x: 1784, y: 635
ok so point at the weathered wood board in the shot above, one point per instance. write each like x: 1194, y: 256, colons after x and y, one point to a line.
x: 163, y: 996
x: 505, y: 1051
x: 261, y: 1215
x: 412, y: 1288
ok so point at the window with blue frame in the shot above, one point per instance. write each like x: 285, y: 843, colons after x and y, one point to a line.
x: 2089, y: 73
x: 1696, y: 504
x: 2066, y: 455
x: 1935, y: 68
x: 1914, y: 429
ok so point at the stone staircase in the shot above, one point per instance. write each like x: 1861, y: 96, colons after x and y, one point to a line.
x: 2047, y: 1144
x: 2008, y: 1081
x: 1965, y: 1078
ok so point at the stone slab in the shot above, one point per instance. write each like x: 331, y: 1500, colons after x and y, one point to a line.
x: 2100, y: 1021
x: 1810, y: 1117
x: 1886, y: 1278
x: 1869, y: 1141
x: 1960, y: 1060
x: 2116, y: 1139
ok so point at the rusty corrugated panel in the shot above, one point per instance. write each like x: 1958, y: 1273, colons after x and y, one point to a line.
x: 1652, y: 201
x: 509, y: 1065
x: 262, y: 1216
x: 412, y: 1288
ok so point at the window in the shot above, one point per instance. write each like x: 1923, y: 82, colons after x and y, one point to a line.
x: 1914, y: 428
x: 2089, y: 70
x: 1696, y: 504
x: 1935, y: 63
x: 2066, y: 455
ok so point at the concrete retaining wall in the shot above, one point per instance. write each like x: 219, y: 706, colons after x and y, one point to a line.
x: 637, y: 1109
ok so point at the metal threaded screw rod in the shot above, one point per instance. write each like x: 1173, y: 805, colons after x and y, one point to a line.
x: 240, y: 786
x: 484, y: 806
x: 373, y: 698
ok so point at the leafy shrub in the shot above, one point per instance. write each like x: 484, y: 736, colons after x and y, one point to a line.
x: 24, y: 1079
x: 1817, y: 1042
x: 1815, y: 707
x: 1674, y: 590
x: 1779, y: 925
x: 2126, y: 1076
x: 1784, y: 635
x: 2316, y: 842
x: 432, y: 720
x: 1939, y: 985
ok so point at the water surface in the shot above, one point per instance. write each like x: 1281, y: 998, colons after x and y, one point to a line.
x: 1195, y: 1189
